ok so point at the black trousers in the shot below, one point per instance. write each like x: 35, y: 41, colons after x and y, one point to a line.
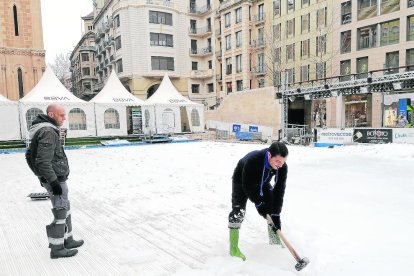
x: 238, y: 204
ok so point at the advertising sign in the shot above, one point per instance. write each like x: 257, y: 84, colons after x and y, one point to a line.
x: 335, y: 135
x: 372, y: 135
x: 236, y: 128
x: 403, y: 135
x: 253, y: 129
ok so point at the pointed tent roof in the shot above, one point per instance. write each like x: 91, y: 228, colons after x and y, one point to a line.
x: 50, y: 89
x: 167, y: 94
x: 115, y: 93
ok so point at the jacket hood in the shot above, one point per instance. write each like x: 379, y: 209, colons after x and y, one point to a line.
x: 42, y: 121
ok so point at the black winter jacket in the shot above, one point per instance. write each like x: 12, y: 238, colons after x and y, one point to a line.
x: 254, y: 174
x: 46, y: 156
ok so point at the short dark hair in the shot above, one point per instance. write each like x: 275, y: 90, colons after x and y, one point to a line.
x: 278, y: 148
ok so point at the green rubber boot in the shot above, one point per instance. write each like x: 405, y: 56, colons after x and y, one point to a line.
x: 234, y: 247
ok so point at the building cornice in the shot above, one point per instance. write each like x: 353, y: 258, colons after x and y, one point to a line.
x: 22, y: 52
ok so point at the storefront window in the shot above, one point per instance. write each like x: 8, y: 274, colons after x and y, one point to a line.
x: 357, y: 110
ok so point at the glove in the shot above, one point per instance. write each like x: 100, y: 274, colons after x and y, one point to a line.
x: 262, y: 209
x: 277, y: 225
x: 56, y: 188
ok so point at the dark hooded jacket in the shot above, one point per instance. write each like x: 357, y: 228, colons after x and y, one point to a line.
x: 254, y: 174
x: 45, y: 155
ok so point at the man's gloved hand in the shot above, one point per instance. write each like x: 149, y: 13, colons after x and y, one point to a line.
x: 262, y: 209
x: 56, y: 188
x: 276, y: 222
x: 42, y: 180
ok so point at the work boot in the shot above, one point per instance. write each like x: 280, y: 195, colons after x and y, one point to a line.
x: 273, y: 236
x: 62, y: 253
x: 234, y: 247
x: 70, y: 243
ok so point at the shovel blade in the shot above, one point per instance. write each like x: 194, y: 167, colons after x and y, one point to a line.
x: 302, y: 264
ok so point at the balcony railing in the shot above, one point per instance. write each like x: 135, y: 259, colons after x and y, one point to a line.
x: 201, y: 51
x: 87, y: 48
x: 259, y: 70
x: 166, y: 3
x: 218, y: 33
x: 199, y: 31
x: 258, y: 43
x: 194, y: 10
x: 259, y: 18
x: 201, y: 74
x: 219, y: 54
x: 219, y: 77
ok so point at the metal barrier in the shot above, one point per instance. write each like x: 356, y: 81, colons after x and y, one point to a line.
x: 222, y: 134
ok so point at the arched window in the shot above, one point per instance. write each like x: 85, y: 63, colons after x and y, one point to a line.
x: 16, y: 21
x: 195, y: 118
x: 20, y: 82
x: 111, y: 119
x: 77, y: 119
x: 147, y: 118
x: 31, y: 114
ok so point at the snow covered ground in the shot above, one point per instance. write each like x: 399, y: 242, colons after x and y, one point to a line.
x: 162, y: 209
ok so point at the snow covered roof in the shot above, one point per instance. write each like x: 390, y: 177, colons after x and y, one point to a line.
x: 115, y: 93
x: 49, y: 89
x: 167, y: 94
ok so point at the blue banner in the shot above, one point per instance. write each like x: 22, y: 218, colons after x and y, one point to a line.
x: 236, y: 128
x: 253, y: 129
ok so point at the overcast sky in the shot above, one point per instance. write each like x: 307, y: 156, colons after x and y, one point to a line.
x: 62, y: 25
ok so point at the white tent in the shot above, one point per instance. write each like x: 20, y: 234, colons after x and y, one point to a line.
x: 174, y: 112
x: 117, y: 111
x: 9, y: 120
x: 80, y: 120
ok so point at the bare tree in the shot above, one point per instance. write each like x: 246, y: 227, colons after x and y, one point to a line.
x: 61, y: 67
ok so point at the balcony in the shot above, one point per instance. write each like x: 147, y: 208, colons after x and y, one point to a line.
x: 219, y: 77
x: 199, y: 11
x: 165, y: 3
x: 199, y: 32
x: 201, y: 52
x: 259, y: 70
x: 219, y: 54
x: 87, y: 48
x: 218, y: 33
x: 258, y: 43
x: 259, y: 18
x: 201, y: 74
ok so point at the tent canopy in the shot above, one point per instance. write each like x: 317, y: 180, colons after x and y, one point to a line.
x: 115, y: 93
x: 167, y: 94
x: 9, y: 120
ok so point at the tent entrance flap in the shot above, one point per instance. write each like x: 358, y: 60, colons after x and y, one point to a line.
x: 168, y: 121
x: 185, y: 127
x: 134, y: 120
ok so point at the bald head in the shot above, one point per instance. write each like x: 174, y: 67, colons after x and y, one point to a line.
x: 56, y: 112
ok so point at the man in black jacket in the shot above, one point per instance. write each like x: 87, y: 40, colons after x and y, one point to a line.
x: 251, y: 180
x: 47, y: 159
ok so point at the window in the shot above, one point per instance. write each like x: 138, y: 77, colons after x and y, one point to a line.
x: 290, y: 52
x: 392, y: 60
x: 346, y: 42
x: 117, y: 22
x: 162, y: 63
x: 85, y: 57
x: 388, y: 6
x: 290, y: 27
x: 260, y: 36
x: 290, y: 76
x: 367, y: 37
x: 321, y: 70
x: 238, y: 63
x: 305, y: 26
x: 31, y: 114
x: 157, y: 17
x: 229, y: 87
x: 228, y: 42
x: 410, y: 3
x: 238, y: 39
x: 119, y: 67
x: 210, y: 87
x: 346, y: 12
x: 20, y: 82
x: 409, y: 56
x: 260, y: 11
x: 362, y: 67
x: 159, y: 39
x: 194, y: 65
x: 16, y: 21
x: 195, y: 88
x: 227, y: 20
x: 345, y: 68
x: 366, y: 9
x: 305, y: 3
x: 390, y: 32
x: 228, y: 66
x: 118, y: 44
x: 210, y: 64
x: 276, y: 8
x: 410, y: 27
x: 261, y: 83
x: 290, y: 5
x: 195, y: 118
x: 111, y: 119
x: 321, y: 15
x: 239, y: 85
x: 304, y: 48
x: 86, y: 71
x: 238, y: 15
x: 276, y: 32
x: 304, y: 73
x: 277, y: 56
x: 77, y: 119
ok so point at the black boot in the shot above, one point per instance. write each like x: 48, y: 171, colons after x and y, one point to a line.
x: 69, y: 241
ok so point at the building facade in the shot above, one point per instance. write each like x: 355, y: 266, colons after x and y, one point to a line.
x: 82, y: 63
x: 22, y: 55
